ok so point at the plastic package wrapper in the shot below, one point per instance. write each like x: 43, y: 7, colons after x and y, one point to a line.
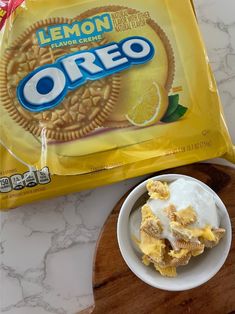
x: 92, y: 94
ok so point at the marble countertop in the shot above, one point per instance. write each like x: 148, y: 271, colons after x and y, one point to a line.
x: 46, y: 249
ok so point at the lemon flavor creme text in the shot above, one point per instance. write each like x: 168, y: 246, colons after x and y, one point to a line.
x: 46, y: 87
x: 79, y: 32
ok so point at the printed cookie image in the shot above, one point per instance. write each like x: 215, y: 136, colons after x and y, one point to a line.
x: 81, y: 111
x: 143, y: 97
x: 178, y: 222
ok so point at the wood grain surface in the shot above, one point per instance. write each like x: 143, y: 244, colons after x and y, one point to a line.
x: 118, y: 291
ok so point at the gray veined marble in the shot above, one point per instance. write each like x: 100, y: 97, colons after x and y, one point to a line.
x: 46, y: 249
x: 217, y: 23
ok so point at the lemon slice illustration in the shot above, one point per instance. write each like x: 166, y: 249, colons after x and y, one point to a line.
x: 150, y: 108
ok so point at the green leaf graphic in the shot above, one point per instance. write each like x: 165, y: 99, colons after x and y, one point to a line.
x: 176, y: 115
x: 173, y: 104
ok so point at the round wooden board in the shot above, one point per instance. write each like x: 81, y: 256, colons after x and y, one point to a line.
x: 117, y: 290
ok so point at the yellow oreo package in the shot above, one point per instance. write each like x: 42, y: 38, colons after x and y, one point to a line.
x: 95, y: 92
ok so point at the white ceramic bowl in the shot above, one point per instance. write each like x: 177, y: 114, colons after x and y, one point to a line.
x: 199, y: 270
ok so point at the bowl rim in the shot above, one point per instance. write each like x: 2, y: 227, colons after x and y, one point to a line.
x: 133, y: 197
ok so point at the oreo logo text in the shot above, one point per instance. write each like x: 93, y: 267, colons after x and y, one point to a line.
x: 46, y: 87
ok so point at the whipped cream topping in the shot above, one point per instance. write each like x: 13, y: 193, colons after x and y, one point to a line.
x: 183, y: 193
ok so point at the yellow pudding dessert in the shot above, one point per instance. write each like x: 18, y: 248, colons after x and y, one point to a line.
x: 178, y: 222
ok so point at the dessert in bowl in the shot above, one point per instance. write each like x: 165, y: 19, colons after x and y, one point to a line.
x: 174, y: 232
